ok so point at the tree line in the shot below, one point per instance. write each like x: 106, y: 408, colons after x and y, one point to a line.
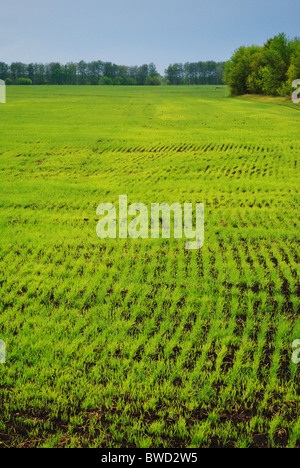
x: 81, y: 73
x: 270, y: 69
x: 107, y: 73
x: 199, y: 73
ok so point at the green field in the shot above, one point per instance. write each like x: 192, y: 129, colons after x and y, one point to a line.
x: 142, y: 343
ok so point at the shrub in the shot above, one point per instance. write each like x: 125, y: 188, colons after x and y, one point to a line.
x: 8, y: 81
x: 153, y: 81
x: 23, y: 81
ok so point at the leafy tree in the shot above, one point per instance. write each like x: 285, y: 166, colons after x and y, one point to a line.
x: 52, y: 72
x: 39, y: 71
x: 70, y: 74
x: 18, y: 70
x: 175, y: 74
x: 237, y: 71
x: 82, y: 73
x: 4, y: 71
x: 294, y: 69
x: 142, y: 74
x: 254, y: 81
x: 109, y: 70
x: 276, y: 55
x: 152, y: 71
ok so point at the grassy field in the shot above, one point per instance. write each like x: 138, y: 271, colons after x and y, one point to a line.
x: 141, y: 343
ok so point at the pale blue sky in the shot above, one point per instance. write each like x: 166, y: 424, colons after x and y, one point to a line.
x: 133, y: 32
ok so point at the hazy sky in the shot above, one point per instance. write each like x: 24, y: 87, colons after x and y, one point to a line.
x: 133, y: 32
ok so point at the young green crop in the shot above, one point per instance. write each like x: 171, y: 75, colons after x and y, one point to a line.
x: 141, y: 343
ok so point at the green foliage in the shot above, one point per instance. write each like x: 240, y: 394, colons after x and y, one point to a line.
x: 200, y: 73
x: 8, y: 81
x: 263, y: 70
x: 4, y: 71
x: 239, y: 69
x: 139, y: 343
x: 294, y: 70
x: 154, y: 81
x: 106, y: 81
x: 128, y: 81
x: 117, y: 81
x: 254, y: 79
x: 23, y: 81
x: 81, y: 73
